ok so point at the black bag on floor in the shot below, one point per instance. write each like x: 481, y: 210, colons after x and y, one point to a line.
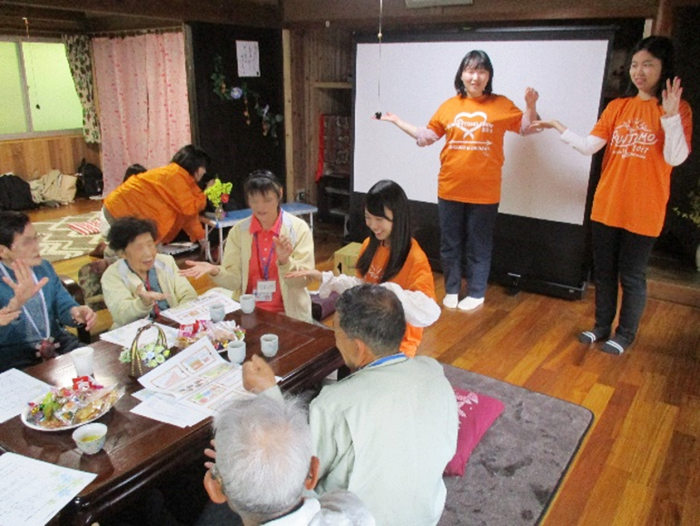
x: 15, y: 194
x: 90, y: 182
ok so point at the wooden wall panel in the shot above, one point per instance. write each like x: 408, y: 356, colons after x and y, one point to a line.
x: 31, y: 158
x: 317, y: 56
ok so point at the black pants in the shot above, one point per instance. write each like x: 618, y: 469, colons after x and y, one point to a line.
x: 466, y: 243
x: 620, y: 257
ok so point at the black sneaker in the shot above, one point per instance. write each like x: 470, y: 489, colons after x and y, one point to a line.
x: 615, y: 346
x: 593, y: 336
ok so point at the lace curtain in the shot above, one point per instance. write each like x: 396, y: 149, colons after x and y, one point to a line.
x: 78, y: 53
x: 144, y: 110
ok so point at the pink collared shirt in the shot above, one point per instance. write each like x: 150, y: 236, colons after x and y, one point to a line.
x: 263, y: 257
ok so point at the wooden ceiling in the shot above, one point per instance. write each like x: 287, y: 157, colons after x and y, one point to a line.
x: 54, y: 17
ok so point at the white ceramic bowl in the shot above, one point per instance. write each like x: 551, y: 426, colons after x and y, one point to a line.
x: 90, y: 438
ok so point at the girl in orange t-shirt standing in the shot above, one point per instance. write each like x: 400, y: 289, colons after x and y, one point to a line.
x: 391, y: 257
x: 647, y: 133
x: 474, y: 123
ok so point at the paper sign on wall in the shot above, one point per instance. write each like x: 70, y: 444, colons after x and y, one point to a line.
x: 248, y: 56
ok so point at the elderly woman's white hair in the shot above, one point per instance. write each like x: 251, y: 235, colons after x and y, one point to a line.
x: 263, y: 454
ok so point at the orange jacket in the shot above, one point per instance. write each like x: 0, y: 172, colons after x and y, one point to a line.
x: 168, y: 195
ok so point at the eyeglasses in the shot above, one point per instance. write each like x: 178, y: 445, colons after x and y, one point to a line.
x: 27, y: 241
x: 216, y: 475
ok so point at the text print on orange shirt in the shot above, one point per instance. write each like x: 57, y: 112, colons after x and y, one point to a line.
x: 469, y: 124
x: 633, y: 139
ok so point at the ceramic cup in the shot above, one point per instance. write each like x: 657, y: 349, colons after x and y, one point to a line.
x: 82, y: 360
x: 269, y: 343
x: 247, y: 302
x: 217, y: 312
x: 236, y: 351
x: 90, y: 438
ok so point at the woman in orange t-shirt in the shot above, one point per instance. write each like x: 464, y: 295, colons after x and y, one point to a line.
x: 391, y: 257
x: 647, y: 133
x: 474, y: 123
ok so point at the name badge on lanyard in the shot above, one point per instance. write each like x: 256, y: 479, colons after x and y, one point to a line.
x: 265, y: 289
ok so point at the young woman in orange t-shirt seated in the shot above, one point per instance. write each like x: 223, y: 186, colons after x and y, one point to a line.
x: 391, y: 257
x: 648, y: 132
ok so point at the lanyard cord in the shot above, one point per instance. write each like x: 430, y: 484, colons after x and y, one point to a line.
x: 266, y: 268
x: 385, y: 359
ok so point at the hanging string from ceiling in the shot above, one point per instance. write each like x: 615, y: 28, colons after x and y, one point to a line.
x: 31, y: 87
x: 378, y: 114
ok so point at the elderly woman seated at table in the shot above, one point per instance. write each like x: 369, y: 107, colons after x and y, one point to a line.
x: 262, y: 249
x: 142, y: 283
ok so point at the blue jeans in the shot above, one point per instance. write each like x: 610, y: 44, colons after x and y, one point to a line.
x: 620, y: 257
x: 466, y: 242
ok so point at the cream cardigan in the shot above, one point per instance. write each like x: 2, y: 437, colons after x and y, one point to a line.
x: 235, y: 265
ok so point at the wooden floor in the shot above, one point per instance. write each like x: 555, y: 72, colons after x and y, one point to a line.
x: 640, y: 463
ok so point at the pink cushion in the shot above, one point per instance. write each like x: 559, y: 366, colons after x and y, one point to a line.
x: 476, y: 414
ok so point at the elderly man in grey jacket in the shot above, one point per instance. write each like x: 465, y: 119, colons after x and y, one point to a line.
x: 387, y: 431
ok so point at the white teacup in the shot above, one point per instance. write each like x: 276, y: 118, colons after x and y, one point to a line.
x: 82, y: 360
x: 269, y: 343
x: 90, y: 438
x: 217, y: 312
x: 236, y: 350
x: 247, y: 302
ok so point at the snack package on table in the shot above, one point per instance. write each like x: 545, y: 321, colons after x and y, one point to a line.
x: 220, y: 334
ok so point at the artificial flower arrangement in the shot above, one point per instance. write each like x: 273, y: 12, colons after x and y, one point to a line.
x: 150, y: 355
x: 218, y: 193
x: 268, y: 119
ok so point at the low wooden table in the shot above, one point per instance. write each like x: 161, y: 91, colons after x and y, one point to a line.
x: 140, y: 450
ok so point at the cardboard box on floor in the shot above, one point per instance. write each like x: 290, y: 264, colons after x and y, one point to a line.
x: 345, y: 258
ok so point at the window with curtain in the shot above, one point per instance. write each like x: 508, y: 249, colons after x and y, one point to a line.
x: 38, y: 93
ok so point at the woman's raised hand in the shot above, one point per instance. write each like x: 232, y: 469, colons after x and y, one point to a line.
x: 7, y: 316
x: 25, y: 287
x: 199, y: 269
x: 309, y: 274
x: 671, y: 96
x: 531, y: 97
x: 284, y: 249
x: 149, y: 297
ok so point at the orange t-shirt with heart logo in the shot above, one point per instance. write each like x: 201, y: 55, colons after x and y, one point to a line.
x: 472, y: 158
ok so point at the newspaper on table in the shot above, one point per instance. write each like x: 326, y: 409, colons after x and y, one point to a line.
x: 17, y: 388
x: 198, y: 378
x: 198, y: 309
x: 32, y: 491
x: 125, y: 335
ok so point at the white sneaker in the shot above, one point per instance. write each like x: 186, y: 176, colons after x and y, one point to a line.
x: 470, y: 303
x: 450, y: 301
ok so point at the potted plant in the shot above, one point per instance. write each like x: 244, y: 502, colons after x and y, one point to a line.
x: 693, y: 215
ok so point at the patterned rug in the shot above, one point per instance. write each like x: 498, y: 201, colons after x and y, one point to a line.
x: 59, y: 241
x: 514, y: 472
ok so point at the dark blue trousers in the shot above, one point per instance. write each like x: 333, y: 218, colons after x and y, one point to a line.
x: 466, y: 242
x: 620, y: 258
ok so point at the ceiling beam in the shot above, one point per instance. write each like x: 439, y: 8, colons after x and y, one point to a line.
x: 240, y: 12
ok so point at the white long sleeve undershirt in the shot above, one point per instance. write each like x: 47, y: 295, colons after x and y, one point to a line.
x: 420, y: 309
x: 675, y: 144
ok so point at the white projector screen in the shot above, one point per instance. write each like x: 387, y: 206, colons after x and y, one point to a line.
x: 542, y: 177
